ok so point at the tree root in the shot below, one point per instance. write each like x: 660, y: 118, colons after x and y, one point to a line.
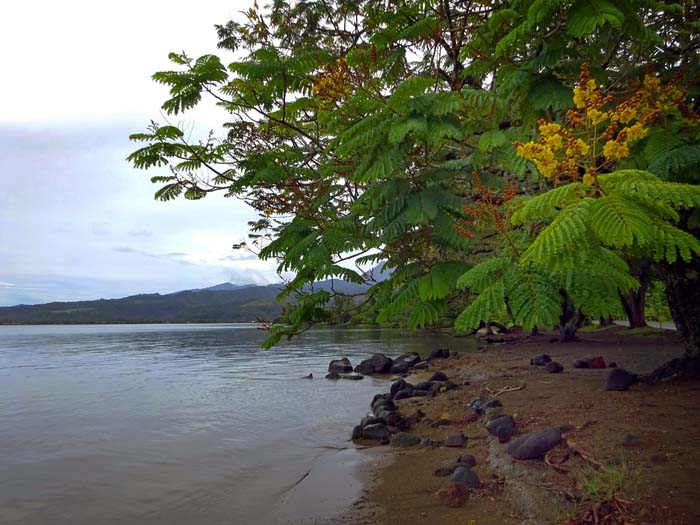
x: 686, y: 367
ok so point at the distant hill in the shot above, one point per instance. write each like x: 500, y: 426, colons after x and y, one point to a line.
x: 223, y: 303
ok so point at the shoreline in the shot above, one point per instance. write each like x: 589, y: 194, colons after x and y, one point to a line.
x: 530, y: 492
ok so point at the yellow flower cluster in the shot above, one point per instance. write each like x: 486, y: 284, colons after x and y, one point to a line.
x: 332, y: 84
x: 598, y: 133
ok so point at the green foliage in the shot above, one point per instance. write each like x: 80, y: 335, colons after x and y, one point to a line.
x: 353, y: 128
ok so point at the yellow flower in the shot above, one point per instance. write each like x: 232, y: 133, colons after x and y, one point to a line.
x: 596, y: 116
x: 578, y: 148
x: 547, y: 130
x: 588, y: 179
x: 636, y: 132
x: 625, y: 114
x: 555, y: 142
x: 614, y: 150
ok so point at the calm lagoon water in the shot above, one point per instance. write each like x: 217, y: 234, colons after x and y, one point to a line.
x: 176, y: 424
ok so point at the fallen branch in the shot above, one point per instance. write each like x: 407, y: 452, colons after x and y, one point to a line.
x: 505, y: 389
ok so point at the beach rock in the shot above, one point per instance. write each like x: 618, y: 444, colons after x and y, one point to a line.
x: 404, y: 440
x: 381, y: 363
x: 393, y: 419
x: 356, y: 432
x: 410, y: 358
x: 540, y: 360
x: 425, y: 442
x: 581, y: 363
x: 377, y: 432
x: 438, y: 376
x: 419, y: 393
x: 397, y: 385
x: 466, y: 477
x: 340, y: 366
x: 502, y: 426
x: 365, y: 367
x: 353, y: 376
x: 442, y: 422
x: 440, y: 353
x: 449, y: 385
x: 421, y: 365
x: 310, y: 376
x: 596, y: 362
x: 377, y: 397
x: 620, y: 379
x: 384, y: 403
x: 332, y: 375
x: 399, y: 368
x: 453, y: 495
x: 371, y: 420
x: 553, y: 367
x: 423, y: 385
x: 536, y: 444
x: 456, y: 440
x: 436, y: 387
x: 467, y: 459
x: 476, y: 404
x: 404, y: 393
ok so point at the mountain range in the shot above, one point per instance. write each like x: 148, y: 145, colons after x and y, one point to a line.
x: 222, y: 303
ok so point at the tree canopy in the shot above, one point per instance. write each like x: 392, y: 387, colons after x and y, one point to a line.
x: 513, y: 161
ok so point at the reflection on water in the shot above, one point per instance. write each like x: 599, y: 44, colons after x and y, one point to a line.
x: 171, y: 423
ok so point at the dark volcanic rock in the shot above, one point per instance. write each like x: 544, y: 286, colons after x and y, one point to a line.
x: 502, y: 426
x: 421, y: 365
x: 466, y: 477
x: 438, y: 376
x: 356, y: 432
x: 425, y: 442
x: 381, y: 363
x: 450, y: 385
x: 581, y: 363
x: 340, y: 366
x: 371, y: 420
x: 419, y: 393
x: 354, y: 376
x: 310, y: 376
x: 410, y: 358
x: 423, y: 385
x: 397, y: 385
x: 399, y: 368
x: 553, y: 367
x: 620, y: 379
x: 376, y: 431
x: 467, y: 459
x: 536, y: 444
x: 440, y: 353
x: 540, y: 360
x: 404, y: 439
x: 456, y: 440
x: 476, y: 404
x: 404, y: 393
x: 332, y: 375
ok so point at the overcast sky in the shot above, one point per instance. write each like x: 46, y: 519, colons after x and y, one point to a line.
x: 76, y: 220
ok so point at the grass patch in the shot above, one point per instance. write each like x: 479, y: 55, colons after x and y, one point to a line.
x: 605, y: 483
x: 643, y: 331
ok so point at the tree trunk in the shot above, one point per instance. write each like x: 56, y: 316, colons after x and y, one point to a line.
x: 634, y: 302
x: 570, y: 321
x: 683, y: 294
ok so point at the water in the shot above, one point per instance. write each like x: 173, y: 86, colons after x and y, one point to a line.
x: 179, y: 423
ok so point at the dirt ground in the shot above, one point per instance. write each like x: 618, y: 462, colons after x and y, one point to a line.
x: 652, y: 433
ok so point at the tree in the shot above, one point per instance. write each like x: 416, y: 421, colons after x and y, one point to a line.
x: 355, y: 127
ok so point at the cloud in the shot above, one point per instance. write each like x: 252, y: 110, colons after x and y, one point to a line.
x: 6, y: 285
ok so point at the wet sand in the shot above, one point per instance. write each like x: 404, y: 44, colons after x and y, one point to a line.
x: 663, y: 420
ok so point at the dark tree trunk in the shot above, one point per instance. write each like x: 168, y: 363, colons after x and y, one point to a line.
x: 605, y: 321
x: 570, y: 321
x: 683, y: 294
x: 634, y: 302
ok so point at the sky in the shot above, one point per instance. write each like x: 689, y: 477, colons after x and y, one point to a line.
x: 76, y: 220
